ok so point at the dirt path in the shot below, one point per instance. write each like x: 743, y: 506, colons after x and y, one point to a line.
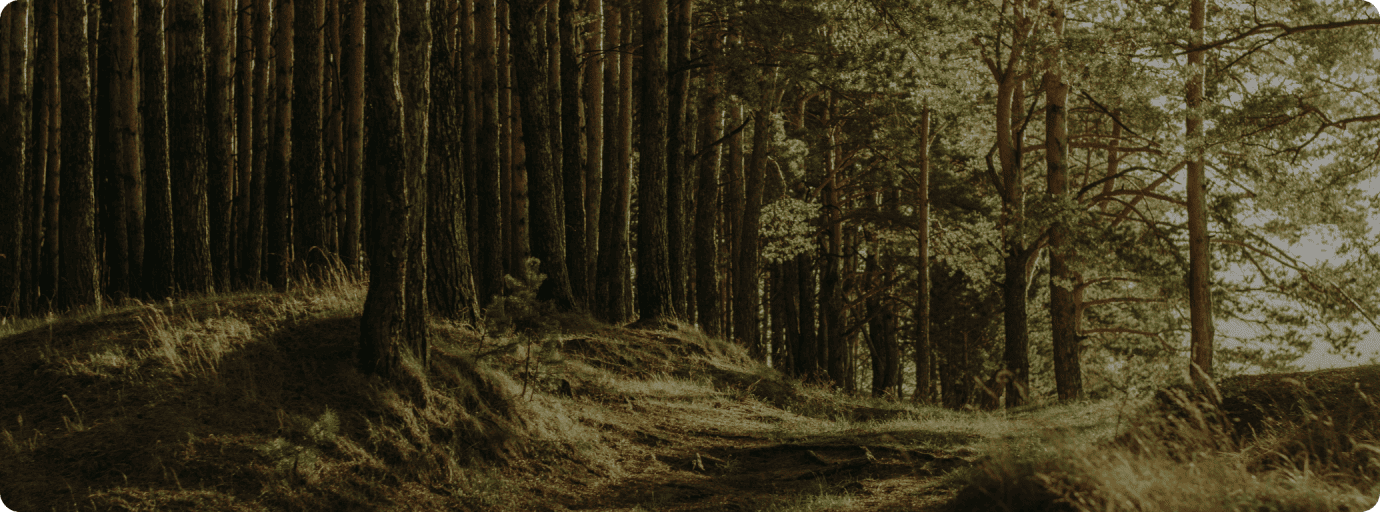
x: 724, y: 454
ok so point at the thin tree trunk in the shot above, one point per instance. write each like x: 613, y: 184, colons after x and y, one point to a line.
x: 707, y: 298
x: 40, y: 101
x: 733, y: 221
x: 125, y: 93
x: 220, y: 135
x: 278, y: 207
x: 352, y: 67
x: 924, y: 343
x: 1199, y: 263
x: 309, y: 227
x: 1068, y: 377
x: 79, y: 283
x: 678, y: 135
x: 747, y: 293
x: 613, y: 270
x: 573, y: 155
x: 246, y: 123
x: 263, y: 127
x: 333, y: 142
x: 594, y: 140
x: 159, y: 249
x: 469, y: 68
x: 835, y: 349
x: 489, y: 265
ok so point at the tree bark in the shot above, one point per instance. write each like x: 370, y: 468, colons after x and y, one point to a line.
x: 573, y: 155
x: 450, y: 285
x: 613, y: 271
x: 278, y: 196
x: 414, y: 41
x: 1199, y: 263
x: 677, y: 165
x: 1068, y: 378
x: 545, y: 185
x: 747, y: 294
x: 352, y: 68
x: 263, y: 127
x: 594, y: 140
x: 159, y: 249
x: 14, y: 173
x: 246, y: 122
x: 653, y: 263
x: 309, y: 226
x: 707, y: 297
x: 382, y: 329
x: 924, y: 343
x: 489, y: 265
x: 79, y: 281
x: 187, y: 143
x: 220, y: 136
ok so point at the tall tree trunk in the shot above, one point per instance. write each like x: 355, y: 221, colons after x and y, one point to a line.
x: 159, y: 250
x: 450, y: 286
x: 187, y: 142
x: 707, y: 298
x: 733, y: 220
x: 333, y: 141
x: 124, y: 91
x: 468, y: 64
x: 80, y: 280
x: 613, y: 270
x: 747, y: 294
x: 653, y: 263
x: 573, y: 155
x: 352, y: 68
x: 594, y: 140
x: 835, y: 347
x: 309, y: 227
x: 924, y: 343
x: 1068, y: 378
x: 42, y: 106
x: 677, y: 165
x: 14, y: 169
x: 489, y: 265
x: 532, y: 77
x: 246, y: 123
x: 112, y: 240
x: 254, y: 248
x: 278, y: 196
x: 220, y: 135
x: 382, y: 328
x: 414, y: 41
x: 807, y: 362
x: 1199, y: 263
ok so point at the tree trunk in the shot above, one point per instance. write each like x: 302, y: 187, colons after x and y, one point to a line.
x: 14, y: 169
x: 747, y: 294
x: 545, y: 186
x: 613, y: 270
x: 246, y: 122
x: 573, y: 155
x: 678, y: 135
x: 1199, y: 263
x: 381, y: 330
x: 79, y: 283
x: 807, y: 362
x: 924, y: 344
x: 733, y: 220
x: 220, y: 136
x: 309, y: 227
x: 1068, y: 377
x: 653, y: 263
x: 594, y: 140
x: 278, y: 196
x: 834, y: 353
x: 706, y: 247
x: 489, y: 265
x: 333, y: 136
x: 42, y: 104
x: 158, y: 226
x: 450, y: 286
x: 253, y: 249
x: 1015, y: 252
x: 414, y: 42
x: 187, y: 143
x: 352, y: 68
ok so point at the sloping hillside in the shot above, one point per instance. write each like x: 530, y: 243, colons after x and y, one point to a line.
x: 252, y: 402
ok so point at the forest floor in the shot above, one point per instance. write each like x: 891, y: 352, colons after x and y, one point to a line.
x: 251, y: 402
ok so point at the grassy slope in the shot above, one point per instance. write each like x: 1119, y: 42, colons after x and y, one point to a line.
x: 251, y: 402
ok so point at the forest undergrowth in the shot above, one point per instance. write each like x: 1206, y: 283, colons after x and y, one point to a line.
x: 251, y: 401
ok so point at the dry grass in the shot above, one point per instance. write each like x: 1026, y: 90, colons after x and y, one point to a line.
x: 251, y: 401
